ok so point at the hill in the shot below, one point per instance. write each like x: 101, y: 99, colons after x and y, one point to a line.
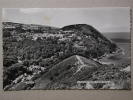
x: 67, y: 73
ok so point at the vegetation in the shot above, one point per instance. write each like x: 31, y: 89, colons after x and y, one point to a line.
x: 43, y: 46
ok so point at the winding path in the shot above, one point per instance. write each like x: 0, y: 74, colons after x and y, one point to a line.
x: 81, y: 62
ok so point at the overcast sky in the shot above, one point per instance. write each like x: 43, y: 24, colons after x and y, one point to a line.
x: 103, y: 19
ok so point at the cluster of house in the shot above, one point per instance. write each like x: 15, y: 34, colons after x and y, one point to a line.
x: 27, y: 78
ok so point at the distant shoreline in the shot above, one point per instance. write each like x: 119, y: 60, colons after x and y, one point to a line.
x: 119, y: 40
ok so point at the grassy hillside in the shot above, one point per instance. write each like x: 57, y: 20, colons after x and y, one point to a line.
x: 67, y: 73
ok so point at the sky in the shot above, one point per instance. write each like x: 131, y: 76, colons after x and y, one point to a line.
x: 103, y: 19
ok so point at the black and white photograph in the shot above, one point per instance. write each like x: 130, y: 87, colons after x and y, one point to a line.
x: 66, y: 48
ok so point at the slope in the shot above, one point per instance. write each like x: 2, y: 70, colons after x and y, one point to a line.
x: 67, y: 72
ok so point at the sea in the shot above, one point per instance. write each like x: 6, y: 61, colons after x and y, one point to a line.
x: 123, y: 41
